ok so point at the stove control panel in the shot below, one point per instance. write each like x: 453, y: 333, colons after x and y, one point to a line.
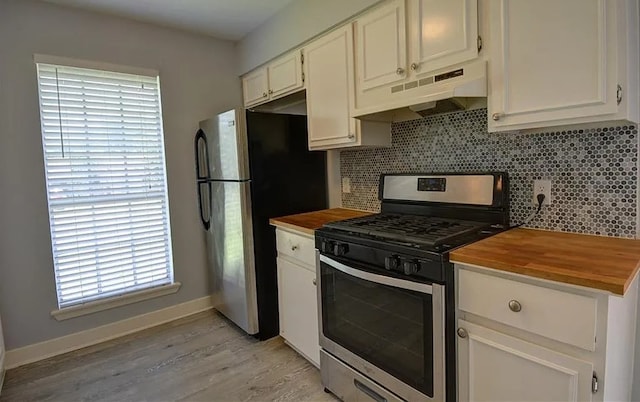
x: 383, y: 260
x: 392, y: 263
x: 327, y: 247
x: 410, y: 267
x: 405, y: 266
x: 334, y: 248
x: 340, y: 249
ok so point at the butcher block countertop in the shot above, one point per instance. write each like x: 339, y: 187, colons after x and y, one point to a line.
x: 603, y: 263
x: 310, y: 221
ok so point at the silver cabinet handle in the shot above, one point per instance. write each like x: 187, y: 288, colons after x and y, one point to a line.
x: 619, y: 94
x: 264, y: 94
x: 270, y: 91
x: 515, y: 306
x: 462, y: 333
x: 314, y: 281
x: 400, y: 71
x: 497, y: 116
x: 415, y: 66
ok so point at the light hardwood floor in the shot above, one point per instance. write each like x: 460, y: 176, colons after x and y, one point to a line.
x: 198, y: 358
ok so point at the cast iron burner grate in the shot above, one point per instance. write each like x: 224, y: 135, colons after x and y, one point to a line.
x: 418, y: 229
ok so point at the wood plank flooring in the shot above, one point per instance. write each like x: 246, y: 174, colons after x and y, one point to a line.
x: 199, y: 358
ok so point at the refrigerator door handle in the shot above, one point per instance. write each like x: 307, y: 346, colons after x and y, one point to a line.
x: 206, y: 220
x: 201, y: 152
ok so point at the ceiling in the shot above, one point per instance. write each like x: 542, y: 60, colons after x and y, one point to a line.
x: 225, y: 19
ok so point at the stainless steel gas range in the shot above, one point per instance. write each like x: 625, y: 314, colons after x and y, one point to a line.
x: 386, y: 296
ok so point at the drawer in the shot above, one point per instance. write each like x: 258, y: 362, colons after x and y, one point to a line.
x: 565, y: 317
x: 300, y: 247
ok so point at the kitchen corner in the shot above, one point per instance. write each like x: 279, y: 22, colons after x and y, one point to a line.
x: 296, y: 266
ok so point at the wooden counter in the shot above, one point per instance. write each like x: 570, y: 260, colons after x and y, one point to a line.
x: 310, y: 221
x: 603, y: 263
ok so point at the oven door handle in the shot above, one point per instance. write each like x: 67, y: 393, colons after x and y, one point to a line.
x: 381, y: 279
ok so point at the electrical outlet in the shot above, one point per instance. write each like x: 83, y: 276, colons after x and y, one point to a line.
x: 542, y: 187
x: 346, y: 185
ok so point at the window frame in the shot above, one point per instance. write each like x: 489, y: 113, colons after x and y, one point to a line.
x: 94, y: 304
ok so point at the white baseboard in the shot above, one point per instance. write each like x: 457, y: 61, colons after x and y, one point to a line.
x: 53, y: 347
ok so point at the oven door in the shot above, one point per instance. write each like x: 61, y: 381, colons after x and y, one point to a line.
x: 389, y: 329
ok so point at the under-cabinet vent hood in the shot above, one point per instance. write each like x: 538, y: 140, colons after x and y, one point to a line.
x: 294, y: 103
x: 460, y: 88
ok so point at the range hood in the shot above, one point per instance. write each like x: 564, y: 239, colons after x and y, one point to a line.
x: 459, y: 88
x: 294, y: 103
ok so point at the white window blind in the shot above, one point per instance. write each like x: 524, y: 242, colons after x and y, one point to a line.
x: 106, y: 182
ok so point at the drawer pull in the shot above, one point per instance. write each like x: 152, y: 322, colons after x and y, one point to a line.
x: 515, y: 306
x: 294, y: 248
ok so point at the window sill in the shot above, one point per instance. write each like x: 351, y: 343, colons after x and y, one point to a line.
x: 113, y: 302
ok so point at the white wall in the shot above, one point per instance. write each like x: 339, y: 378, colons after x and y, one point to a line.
x: 198, y: 78
x: 296, y: 23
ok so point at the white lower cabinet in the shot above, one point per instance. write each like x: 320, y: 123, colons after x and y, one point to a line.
x: 526, y: 339
x: 497, y: 367
x: 297, y: 295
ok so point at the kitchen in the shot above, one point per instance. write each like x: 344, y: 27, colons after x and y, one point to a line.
x: 568, y: 116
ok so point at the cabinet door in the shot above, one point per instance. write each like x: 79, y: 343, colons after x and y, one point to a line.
x: 381, y: 42
x: 442, y: 33
x: 496, y: 367
x: 285, y: 75
x: 330, y: 89
x: 255, y: 87
x: 551, y: 60
x: 298, y: 307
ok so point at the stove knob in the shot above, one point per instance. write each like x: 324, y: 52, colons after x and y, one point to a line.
x: 326, y: 247
x: 391, y: 263
x: 410, y: 267
x: 340, y: 249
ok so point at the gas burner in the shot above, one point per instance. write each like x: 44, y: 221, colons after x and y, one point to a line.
x: 417, y: 230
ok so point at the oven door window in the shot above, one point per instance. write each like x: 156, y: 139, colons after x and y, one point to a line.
x: 387, y: 326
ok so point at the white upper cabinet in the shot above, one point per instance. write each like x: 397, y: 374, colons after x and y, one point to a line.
x: 255, y: 87
x: 562, y: 62
x: 285, y: 75
x: 330, y: 96
x: 442, y: 33
x: 382, y: 45
x: 403, y: 44
x: 281, y: 77
x: 329, y: 74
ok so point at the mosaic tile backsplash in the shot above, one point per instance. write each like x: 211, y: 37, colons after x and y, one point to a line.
x: 593, y: 170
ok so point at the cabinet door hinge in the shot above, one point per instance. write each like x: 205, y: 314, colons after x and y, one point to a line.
x: 479, y: 43
x: 302, y: 76
x: 301, y: 57
x: 594, y: 383
x: 619, y: 94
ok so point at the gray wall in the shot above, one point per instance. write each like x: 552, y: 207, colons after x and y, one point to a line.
x: 198, y: 78
x: 296, y: 23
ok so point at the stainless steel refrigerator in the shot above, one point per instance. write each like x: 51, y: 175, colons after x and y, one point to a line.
x: 251, y: 167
